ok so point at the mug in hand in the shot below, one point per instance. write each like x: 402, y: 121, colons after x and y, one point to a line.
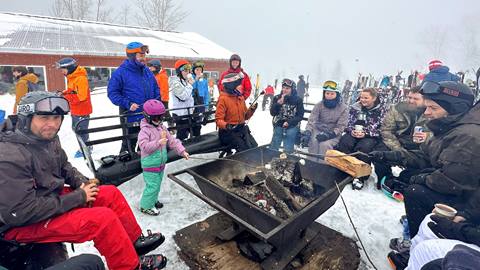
x: 444, y: 210
x: 358, y: 128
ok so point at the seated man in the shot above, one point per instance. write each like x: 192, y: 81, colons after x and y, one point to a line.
x: 398, y: 133
x: 35, y: 206
x: 450, y: 175
x: 287, y: 111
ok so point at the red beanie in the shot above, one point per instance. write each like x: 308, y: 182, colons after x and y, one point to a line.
x: 434, y: 64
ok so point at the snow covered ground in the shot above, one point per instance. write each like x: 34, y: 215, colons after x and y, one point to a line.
x: 375, y: 216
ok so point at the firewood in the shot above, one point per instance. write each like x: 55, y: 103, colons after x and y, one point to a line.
x: 348, y: 164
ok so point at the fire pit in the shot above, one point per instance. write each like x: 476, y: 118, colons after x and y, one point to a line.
x: 289, y: 234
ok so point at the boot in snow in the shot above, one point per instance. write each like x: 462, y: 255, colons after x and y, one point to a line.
x: 158, y: 205
x: 145, y: 244
x: 357, y: 184
x: 152, y: 262
x: 397, y: 260
x: 150, y: 211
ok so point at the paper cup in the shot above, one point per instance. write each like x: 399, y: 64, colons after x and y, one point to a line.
x: 444, y: 210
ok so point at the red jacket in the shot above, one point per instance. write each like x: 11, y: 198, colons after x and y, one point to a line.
x: 269, y: 90
x: 246, y: 84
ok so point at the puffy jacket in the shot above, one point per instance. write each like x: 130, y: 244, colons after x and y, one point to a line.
x: 269, y: 90
x: 202, y: 86
x: 323, y: 118
x: 32, y: 184
x: 374, y: 120
x: 149, y: 137
x: 78, y: 93
x: 454, y: 152
x: 231, y: 109
x: 181, y: 96
x: 246, y: 84
x: 132, y: 83
x: 397, y: 127
x: 290, y: 111
x: 21, y: 88
x: 441, y: 74
x: 162, y: 81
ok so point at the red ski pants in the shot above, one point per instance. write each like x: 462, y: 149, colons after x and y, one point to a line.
x: 110, y: 223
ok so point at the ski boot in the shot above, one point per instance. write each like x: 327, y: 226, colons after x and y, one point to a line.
x: 152, y: 262
x: 357, y: 184
x: 145, y: 244
x: 150, y: 211
x: 158, y: 205
x: 400, y: 245
x: 397, y: 260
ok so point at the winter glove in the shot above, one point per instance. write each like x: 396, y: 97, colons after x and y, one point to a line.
x: 419, y: 179
x: 325, y: 135
x: 254, y: 106
x: 305, y: 138
x: 388, y: 156
x: 447, y: 229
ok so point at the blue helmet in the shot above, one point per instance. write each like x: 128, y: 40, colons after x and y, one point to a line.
x: 68, y: 63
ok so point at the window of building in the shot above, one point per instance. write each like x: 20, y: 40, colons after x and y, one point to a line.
x: 98, y: 77
x: 7, y: 81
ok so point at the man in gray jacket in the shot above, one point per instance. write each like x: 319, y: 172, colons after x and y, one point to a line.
x: 35, y: 205
x: 327, y: 121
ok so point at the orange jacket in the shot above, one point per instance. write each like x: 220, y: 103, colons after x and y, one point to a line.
x: 231, y: 109
x: 162, y: 81
x: 78, y: 93
x: 21, y: 88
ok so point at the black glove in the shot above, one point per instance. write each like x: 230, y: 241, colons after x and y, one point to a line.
x: 325, y: 135
x: 254, y: 106
x: 419, y: 179
x: 305, y: 138
x: 389, y: 156
x: 447, y: 229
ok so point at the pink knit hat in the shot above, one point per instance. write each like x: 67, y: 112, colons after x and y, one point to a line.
x: 434, y: 64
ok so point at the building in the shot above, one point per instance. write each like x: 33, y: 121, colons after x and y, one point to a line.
x: 38, y: 41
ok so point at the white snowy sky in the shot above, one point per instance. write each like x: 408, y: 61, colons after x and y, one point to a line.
x: 278, y: 38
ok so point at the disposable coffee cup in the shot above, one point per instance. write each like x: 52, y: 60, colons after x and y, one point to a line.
x: 358, y: 128
x: 444, y: 210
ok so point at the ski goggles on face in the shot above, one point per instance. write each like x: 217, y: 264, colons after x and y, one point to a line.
x: 330, y: 85
x: 143, y: 50
x: 47, y: 106
x: 156, y: 118
x: 287, y: 82
x: 186, y: 67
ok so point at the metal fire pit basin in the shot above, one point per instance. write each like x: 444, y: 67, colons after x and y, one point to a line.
x: 287, y: 234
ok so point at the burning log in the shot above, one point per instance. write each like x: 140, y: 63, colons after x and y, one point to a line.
x: 281, y: 192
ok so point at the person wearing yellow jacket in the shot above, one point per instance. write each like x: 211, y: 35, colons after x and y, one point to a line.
x: 77, y: 94
x: 25, y: 80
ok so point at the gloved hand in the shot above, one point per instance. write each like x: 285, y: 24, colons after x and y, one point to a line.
x: 325, y: 135
x: 419, y: 179
x: 447, y: 229
x: 254, y: 106
x: 389, y: 156
x: 305, y: 138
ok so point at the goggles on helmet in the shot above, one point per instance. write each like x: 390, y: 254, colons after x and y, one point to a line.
x: 143, y: 50
x: 330, y: 85
x: 186, y: 67
x: 435, y: 88
x: 48, y: 106
x: 288, y: 82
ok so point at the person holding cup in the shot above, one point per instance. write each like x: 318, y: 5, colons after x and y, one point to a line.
x: 363, y: 128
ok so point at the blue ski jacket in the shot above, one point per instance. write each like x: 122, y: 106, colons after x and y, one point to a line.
x: 202, y: 86
x: 131, y: 83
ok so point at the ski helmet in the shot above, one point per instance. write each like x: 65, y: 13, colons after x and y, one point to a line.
x: 153, y: 110
x: 198, y: 64
x: 454, y: 97
x: 69, y: 63
x: 39, y: 103
x: 289, y: 83
x: 237, y: 58
x: 156, y: 64
x: 331, y: 86
x: 182, y: 64
x: 231, y: 81
x: 136, y: 47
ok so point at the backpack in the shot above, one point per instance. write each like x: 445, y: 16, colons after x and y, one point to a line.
x: 32, y: 87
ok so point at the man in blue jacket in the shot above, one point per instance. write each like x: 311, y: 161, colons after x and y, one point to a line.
x: 130, y: 86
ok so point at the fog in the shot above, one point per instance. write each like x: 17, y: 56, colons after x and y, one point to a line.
x: 328, y: 39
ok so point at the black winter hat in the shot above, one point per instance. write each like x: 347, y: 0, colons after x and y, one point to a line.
x: 454, y: 97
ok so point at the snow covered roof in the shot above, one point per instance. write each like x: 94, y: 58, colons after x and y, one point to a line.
x: 47, y: 35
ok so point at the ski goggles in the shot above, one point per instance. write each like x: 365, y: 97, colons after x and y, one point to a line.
x: 46, y: 106
x: 186, y: 67
x: 429, y: 88
x: 288, y: 82
x: 142, y: 49
x: 330, y: 85
x: 198, y: 64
